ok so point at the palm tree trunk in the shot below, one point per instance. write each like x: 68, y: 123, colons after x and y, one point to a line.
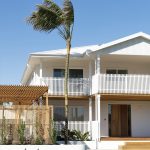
x: 66, y: 89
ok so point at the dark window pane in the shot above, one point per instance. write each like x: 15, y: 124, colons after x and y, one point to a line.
x: 122, y: 71
x: 76, y: 114
x: 73, y: 73
x: 76, y: 73
x: 59, y: 73
x: 111, y: 71
x: 59, y: 114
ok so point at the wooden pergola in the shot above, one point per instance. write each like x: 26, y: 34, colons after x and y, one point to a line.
x: 22, y: 95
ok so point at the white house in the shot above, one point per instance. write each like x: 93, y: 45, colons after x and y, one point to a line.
x: 109, y: 85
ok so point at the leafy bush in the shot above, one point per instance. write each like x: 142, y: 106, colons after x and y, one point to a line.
x: 21, y: 132
x: 4, y: 131
x: 39, y: 134
x: 81, y: 136
x: 52, y: 132
x: 75, y: 135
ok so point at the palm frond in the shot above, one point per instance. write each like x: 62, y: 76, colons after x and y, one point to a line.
x: 68, y: 12
x: 47, y: 17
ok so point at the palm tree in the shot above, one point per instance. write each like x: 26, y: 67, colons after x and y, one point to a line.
x: 48, y: 17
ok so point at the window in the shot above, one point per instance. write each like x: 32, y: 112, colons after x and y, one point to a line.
x: 76, y: 73
x: 58, y: 73
x: 116, y: 71
x: 116, y: 78
x: 59, y: 114
x: 73, y: 73
x: 75, y: 114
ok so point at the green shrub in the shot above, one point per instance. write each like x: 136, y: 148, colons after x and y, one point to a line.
x: 52, y: 132
x: 75, y: 135
x: 21, y: 132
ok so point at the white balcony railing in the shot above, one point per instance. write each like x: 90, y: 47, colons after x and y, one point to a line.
x: 76, y: 86
x: 120, y: 83
x: 83, y: 126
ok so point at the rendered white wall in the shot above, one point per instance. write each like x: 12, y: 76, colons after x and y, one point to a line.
x: 140, y: 120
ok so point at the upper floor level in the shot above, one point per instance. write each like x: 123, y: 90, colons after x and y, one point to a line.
x: 121, y: 66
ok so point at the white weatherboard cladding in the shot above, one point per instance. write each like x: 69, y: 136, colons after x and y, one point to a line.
x: 134, y: 64
x: 137, y: 46
x: 48, y: 67
x: 140, y: 120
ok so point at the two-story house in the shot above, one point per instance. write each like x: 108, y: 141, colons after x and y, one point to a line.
x: 109, y: 86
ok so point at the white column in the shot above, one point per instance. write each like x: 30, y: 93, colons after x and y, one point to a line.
x: 41, y: 73
x: 90, y: 77
x: 90, y: 115
x: 98, y: 113
x: 95, y: 66
x: 98, y: 64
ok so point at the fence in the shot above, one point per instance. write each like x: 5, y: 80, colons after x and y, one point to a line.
x: 33, y: 122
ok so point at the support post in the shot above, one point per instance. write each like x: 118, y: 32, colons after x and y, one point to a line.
x: 47, y: 120
x: 99, y: 115
x: 46, y: 99
x: 90, y: 77
x: 41, y: 73
x: 90, y: 116
x: 98, y: 64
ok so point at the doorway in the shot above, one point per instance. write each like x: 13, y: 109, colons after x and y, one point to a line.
x: 119, y: 120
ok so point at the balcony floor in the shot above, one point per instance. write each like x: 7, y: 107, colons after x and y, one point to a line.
x: 125, y: 97
x: 61, y: 97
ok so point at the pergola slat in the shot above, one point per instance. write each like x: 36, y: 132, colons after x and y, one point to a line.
x: 21, y: 94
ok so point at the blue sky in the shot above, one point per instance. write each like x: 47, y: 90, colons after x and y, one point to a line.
x: 96, y: 22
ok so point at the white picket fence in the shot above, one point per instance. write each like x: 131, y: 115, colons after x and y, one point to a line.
x: 76, y: 86
x: 121, y: 83
x: 83, y: 126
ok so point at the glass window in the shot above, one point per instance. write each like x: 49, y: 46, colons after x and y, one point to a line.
x: 76, y: 73
x: 116, y: 71
x: 111, y: 71
x: 59, y: 73
x: 59, y: 114
x: 122, y: 71
x: 73, y: 73
x: 75, y: 114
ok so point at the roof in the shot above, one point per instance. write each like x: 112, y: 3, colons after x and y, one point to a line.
x: 78, y: 51
x: 23, y: 95
x: 75, y: 51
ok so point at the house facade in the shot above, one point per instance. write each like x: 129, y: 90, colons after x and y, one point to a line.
x: 109, y: 86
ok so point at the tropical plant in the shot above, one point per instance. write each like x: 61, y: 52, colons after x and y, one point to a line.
x: 52, y: 132
x: 48, y: 17
x: 39, y: 134
x: 4, y: 131
x: 10, y: 134
x: 78, y: 135
x: 21, y: 131
x: 75, y: 135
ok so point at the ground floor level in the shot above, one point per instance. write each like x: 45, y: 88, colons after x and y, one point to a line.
x: 106, y: 116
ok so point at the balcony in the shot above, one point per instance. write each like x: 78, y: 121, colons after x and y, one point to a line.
x: 76, y: 86
x: 121, y: 83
